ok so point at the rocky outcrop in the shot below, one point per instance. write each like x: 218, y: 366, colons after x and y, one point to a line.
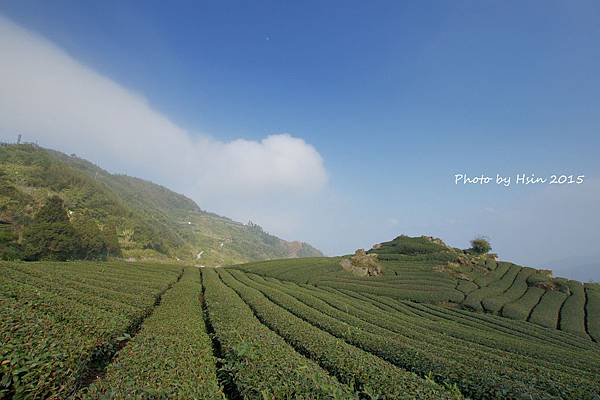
x: 362, y: 264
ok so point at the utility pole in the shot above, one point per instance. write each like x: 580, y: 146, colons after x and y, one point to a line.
x: 19, y: 139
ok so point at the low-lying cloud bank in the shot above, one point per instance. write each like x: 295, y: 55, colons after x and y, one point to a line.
x: 47, y: 96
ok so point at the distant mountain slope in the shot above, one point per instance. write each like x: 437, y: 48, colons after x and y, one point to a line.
x: 152, y: 221
x: 426, y: 270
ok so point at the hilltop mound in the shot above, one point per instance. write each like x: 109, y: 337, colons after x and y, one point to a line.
x: 411, y: 246
x: 152, y: 221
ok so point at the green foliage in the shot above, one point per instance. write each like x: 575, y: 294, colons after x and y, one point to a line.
x: 261, y: 363
x: 52, y: 212
x: 111, y: 240
x: 411, y: 246
x: 592, y: 292
x: 508, y: 293
x: 546, y: 312
x: 57, y: 320
x: 411, y: 280
x: 466, y: 286
x: 480, y: 245
x: 572, y: 313
x: 170, y: 357
x: 476, y: 283
x: 163, y: 224
x: 431, y: 295
x: 279, y: 339
x: 487, y: 296
x: 539, y: 276
x: 370, y: 375
x: 521, y: 308
x: 148, y: 238
x: 482, y: 362
x: 91, y: 241
x: 51, y: 236
x: 10, y: 249
x: 436, y: 257
x: 487, y: 277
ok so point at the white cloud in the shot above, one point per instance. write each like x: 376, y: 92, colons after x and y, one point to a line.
x: 48, y: 96
x: 278, y: 162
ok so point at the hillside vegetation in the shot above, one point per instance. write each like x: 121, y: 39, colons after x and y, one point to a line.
x: 151, y: 222
x: 147, y: 331
x: 425, y: 270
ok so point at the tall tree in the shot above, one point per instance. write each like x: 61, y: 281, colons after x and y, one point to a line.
x: 109, y: 232
x: 91, y: 241
x: 51, y: 236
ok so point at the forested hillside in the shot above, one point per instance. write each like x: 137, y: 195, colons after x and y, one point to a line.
x: 149, y: 220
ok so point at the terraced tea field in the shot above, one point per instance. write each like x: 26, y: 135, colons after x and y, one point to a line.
x: 288, y: 329
x: 482, y: 356
x: 488, y: 286
x: 61, y: 322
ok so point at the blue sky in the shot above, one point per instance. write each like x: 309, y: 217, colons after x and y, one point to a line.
x: 396, y: 97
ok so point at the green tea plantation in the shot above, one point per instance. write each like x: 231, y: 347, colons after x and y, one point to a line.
x: 429, y: 322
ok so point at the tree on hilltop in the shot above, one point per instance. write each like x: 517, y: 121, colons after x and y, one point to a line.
x: 480, y: 245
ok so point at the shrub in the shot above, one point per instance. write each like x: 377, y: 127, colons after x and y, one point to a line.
x: 170, y: 357
x: 480, y: 245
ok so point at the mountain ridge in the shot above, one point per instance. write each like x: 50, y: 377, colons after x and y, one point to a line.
x: 153, y: 222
